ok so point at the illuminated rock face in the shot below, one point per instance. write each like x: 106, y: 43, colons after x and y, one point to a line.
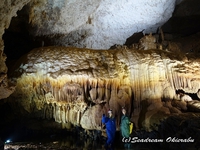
x: 79, y: 85
x: 92, y: 24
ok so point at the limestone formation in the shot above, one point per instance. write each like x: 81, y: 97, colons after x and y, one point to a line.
x: 148, y: 42
x: 82, y: 23
x: 79, y: 85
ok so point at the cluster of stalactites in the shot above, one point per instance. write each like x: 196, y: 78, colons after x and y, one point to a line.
x: 65, y: 99
x: 134, y: 77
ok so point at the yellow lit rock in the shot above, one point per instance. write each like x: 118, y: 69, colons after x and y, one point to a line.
x: 79, y: 85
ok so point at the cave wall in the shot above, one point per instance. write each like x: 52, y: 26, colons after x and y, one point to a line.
x: 102, y: 79
x: 79, y: 85
x: 8, y: 9
x: 98, y: 24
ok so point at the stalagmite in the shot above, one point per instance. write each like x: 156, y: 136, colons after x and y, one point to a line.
x: 82, y: 84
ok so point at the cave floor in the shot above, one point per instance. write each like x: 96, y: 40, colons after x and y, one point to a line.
x: 73, y: 142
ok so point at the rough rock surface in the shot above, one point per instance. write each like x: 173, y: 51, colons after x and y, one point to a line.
x: 78, y: 86
x: 8, y: 9
x: 97, y: 24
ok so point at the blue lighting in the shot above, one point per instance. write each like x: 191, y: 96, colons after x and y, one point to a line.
x: 8, y: 141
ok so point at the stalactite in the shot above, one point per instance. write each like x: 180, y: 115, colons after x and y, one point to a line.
x: 93, y: 94
x: 100, y: 94
x: 67, y: 113
x: 78, y: 117
x: 51, y: 111
x: 45, y: 111
x: 57, y: 113
x: 54, y: 111
x: 63, y: 114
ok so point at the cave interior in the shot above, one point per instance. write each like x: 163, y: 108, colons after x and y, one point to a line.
x: 94, y: 80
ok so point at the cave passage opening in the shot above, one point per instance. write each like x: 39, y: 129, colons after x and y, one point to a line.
x: 19, y: 38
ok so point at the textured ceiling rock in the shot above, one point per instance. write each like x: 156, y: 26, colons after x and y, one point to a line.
x: 8, y: 9
x: 79, y: 85
x: 97, y: 24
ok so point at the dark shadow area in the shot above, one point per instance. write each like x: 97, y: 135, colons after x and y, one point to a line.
x: 194, y: 96
x: 40, y: 133
x: 144, y: 105
x: 18, y: 39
